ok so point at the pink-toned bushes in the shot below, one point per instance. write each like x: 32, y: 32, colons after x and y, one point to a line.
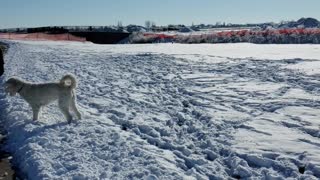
x: 136, y: 38
x: 274, y: 36
x: 282, y: 36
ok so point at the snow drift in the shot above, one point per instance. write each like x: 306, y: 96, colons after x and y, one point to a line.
x: 169, y: 111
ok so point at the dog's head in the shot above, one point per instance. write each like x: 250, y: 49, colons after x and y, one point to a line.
x: 12, y: 86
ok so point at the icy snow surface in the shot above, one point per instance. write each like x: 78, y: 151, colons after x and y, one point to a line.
x: 169, y: 111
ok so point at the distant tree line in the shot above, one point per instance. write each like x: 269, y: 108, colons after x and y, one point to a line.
x: 151, y: 26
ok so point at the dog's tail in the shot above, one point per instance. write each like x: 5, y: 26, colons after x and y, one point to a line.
x: 68, y: 80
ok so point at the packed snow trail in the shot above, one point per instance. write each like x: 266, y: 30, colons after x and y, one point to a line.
x: 165, y: 116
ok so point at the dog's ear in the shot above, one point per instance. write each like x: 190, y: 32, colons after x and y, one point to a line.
x: 11, y: 86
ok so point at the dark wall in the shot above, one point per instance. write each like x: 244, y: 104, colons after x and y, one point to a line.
x: 102, y: 37
x: 1, y: 62
x: 3, y: 49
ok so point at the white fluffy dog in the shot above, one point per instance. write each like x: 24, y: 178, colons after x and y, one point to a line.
x: 38, y: 95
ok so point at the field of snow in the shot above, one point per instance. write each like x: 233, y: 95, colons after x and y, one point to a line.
x: 169, y: 111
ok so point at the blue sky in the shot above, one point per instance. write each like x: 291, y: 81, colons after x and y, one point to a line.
x: 31, y: 13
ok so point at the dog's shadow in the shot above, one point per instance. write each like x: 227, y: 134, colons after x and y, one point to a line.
x: 40, y: 128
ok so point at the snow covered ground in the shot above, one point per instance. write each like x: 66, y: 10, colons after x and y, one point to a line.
x: 169, y: 111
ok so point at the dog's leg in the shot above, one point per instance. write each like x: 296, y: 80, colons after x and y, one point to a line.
x: 36, y: 110
x: 74, y: 106
x: 64, y: 107
x: 66, y: 113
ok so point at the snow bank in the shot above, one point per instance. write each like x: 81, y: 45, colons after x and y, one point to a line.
x: 168, y: 111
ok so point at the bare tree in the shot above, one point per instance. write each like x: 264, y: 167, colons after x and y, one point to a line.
x: 153, y: 24
x: 119, y: 24
x: 148, y: 24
